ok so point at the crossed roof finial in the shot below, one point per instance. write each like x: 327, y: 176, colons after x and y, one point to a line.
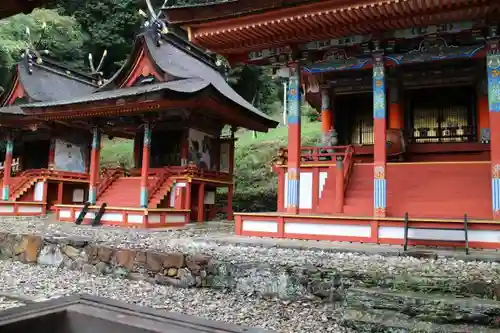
x: 153, y: 22
x: 32, y: 54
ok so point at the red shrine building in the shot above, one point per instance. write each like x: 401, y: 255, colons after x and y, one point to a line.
x: 171, y: 98
x: 409, y: 96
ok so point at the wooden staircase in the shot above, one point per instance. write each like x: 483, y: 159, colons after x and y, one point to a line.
x: 359, y: 195
x: 326, y: 203
x: 123, y: 192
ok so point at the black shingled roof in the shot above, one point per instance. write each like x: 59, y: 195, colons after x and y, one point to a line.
x: 191, y: 70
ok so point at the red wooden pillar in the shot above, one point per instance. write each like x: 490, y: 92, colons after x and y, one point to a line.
x: 294, y: 123
x: 231, y: 152
x: 396, y: 117
x: 230, y: 193
x: 94, y: 164
x: 281, y: 190
x: 326, y: 112
x: 379, y: 129
x: 7, y: 168
x: 60, y: 189
x: 187, y: 193
x: 201, y: 203
x: 145, y: 165
x: 493, y: 63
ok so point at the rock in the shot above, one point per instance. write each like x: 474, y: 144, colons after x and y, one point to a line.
x: 29, y: 247
x: 154, y: 261
x: 120, y: 272
x: 167, y: 281
x: 104, y: 254
x: 186, y: 279
x: 51, y: 255
x: 103, y: 268
x: 136, y: 277
x: 88, y: 268
x: 70, y: 251
x: 173, y: 260
x: 171, y: 272
x: 197, y: 262
x: 140, y: 258
x: 125, y: 258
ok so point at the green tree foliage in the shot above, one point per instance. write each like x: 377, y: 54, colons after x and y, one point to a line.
x: 62, y: 36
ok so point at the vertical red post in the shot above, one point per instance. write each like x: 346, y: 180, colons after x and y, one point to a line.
x: 339, y: 187
x: 379, y: 129
x: 201, y: 203
x: 493, y: 64
x: 7, y: 168
x: 294, y: 131
x: 145, y: 165
x: 396, y: 119
x: 94, y: 164
x: 326, y: 111
x: 60, y: 189
x: 281, y: 190
x: 230, y: 193
x: 231, y: 152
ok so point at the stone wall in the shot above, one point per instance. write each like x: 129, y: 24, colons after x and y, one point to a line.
x: 361, y: 298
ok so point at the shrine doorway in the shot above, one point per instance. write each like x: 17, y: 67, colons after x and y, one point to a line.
x: 354, y: 118
x: 441, y: 115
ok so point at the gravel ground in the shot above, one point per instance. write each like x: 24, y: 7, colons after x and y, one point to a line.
x: 6, y: 303
x: 200, y: 239
x: 46, y: 282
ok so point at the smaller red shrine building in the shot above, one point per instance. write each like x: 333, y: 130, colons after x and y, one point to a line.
x: 173, y: 100
x: 40, y: 176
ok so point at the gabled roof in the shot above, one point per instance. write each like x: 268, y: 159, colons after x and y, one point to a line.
x: 47, y: 81
x: 181, y: 66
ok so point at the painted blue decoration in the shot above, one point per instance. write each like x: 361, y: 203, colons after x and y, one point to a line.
x: 380, y: 194
x: 144, y: 197
x: 96, y: 138
x: 379, y: 102
x: 292, y: 193
x: 92, y: 195
x: 336, y: 66
x: 9, y: 146
x: 293, y: 99
x: 5, y: 193
x: 147, y: 135
x: 446, y: 53
x: 495, y: 195
x: 493, y: 64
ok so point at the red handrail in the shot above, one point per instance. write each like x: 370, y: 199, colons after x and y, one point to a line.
x: 348, y: 164
x: 109, y: 176
x: 162, y: 178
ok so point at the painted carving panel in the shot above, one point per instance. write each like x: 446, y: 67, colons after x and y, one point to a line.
x: 69, y: 156
x: 201, y: 149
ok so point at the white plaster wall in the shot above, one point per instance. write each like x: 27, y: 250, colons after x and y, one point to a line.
x: 328, y: 229
x: 174, y: 218
x: 112, y: 217
x: 29, y: 209
x: 322, y: 180
x: 305, y: 196
x: 6, y: 208
x: 38, y: 195
x: 65, y: 214
x: 134, y: 218
x: 260, y: 226
x: 486, y: 236
x: 154, y: 218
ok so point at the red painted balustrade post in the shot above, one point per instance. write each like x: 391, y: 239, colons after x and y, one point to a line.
x: 493, y: 64
x: 379, y: 135
x: 294, y: 132
x: 94, y: 164
x: 146, y: 149
x: 201, y: 203
x: 339, y: 187
x: 7, y: 167
x: 230, y: 193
